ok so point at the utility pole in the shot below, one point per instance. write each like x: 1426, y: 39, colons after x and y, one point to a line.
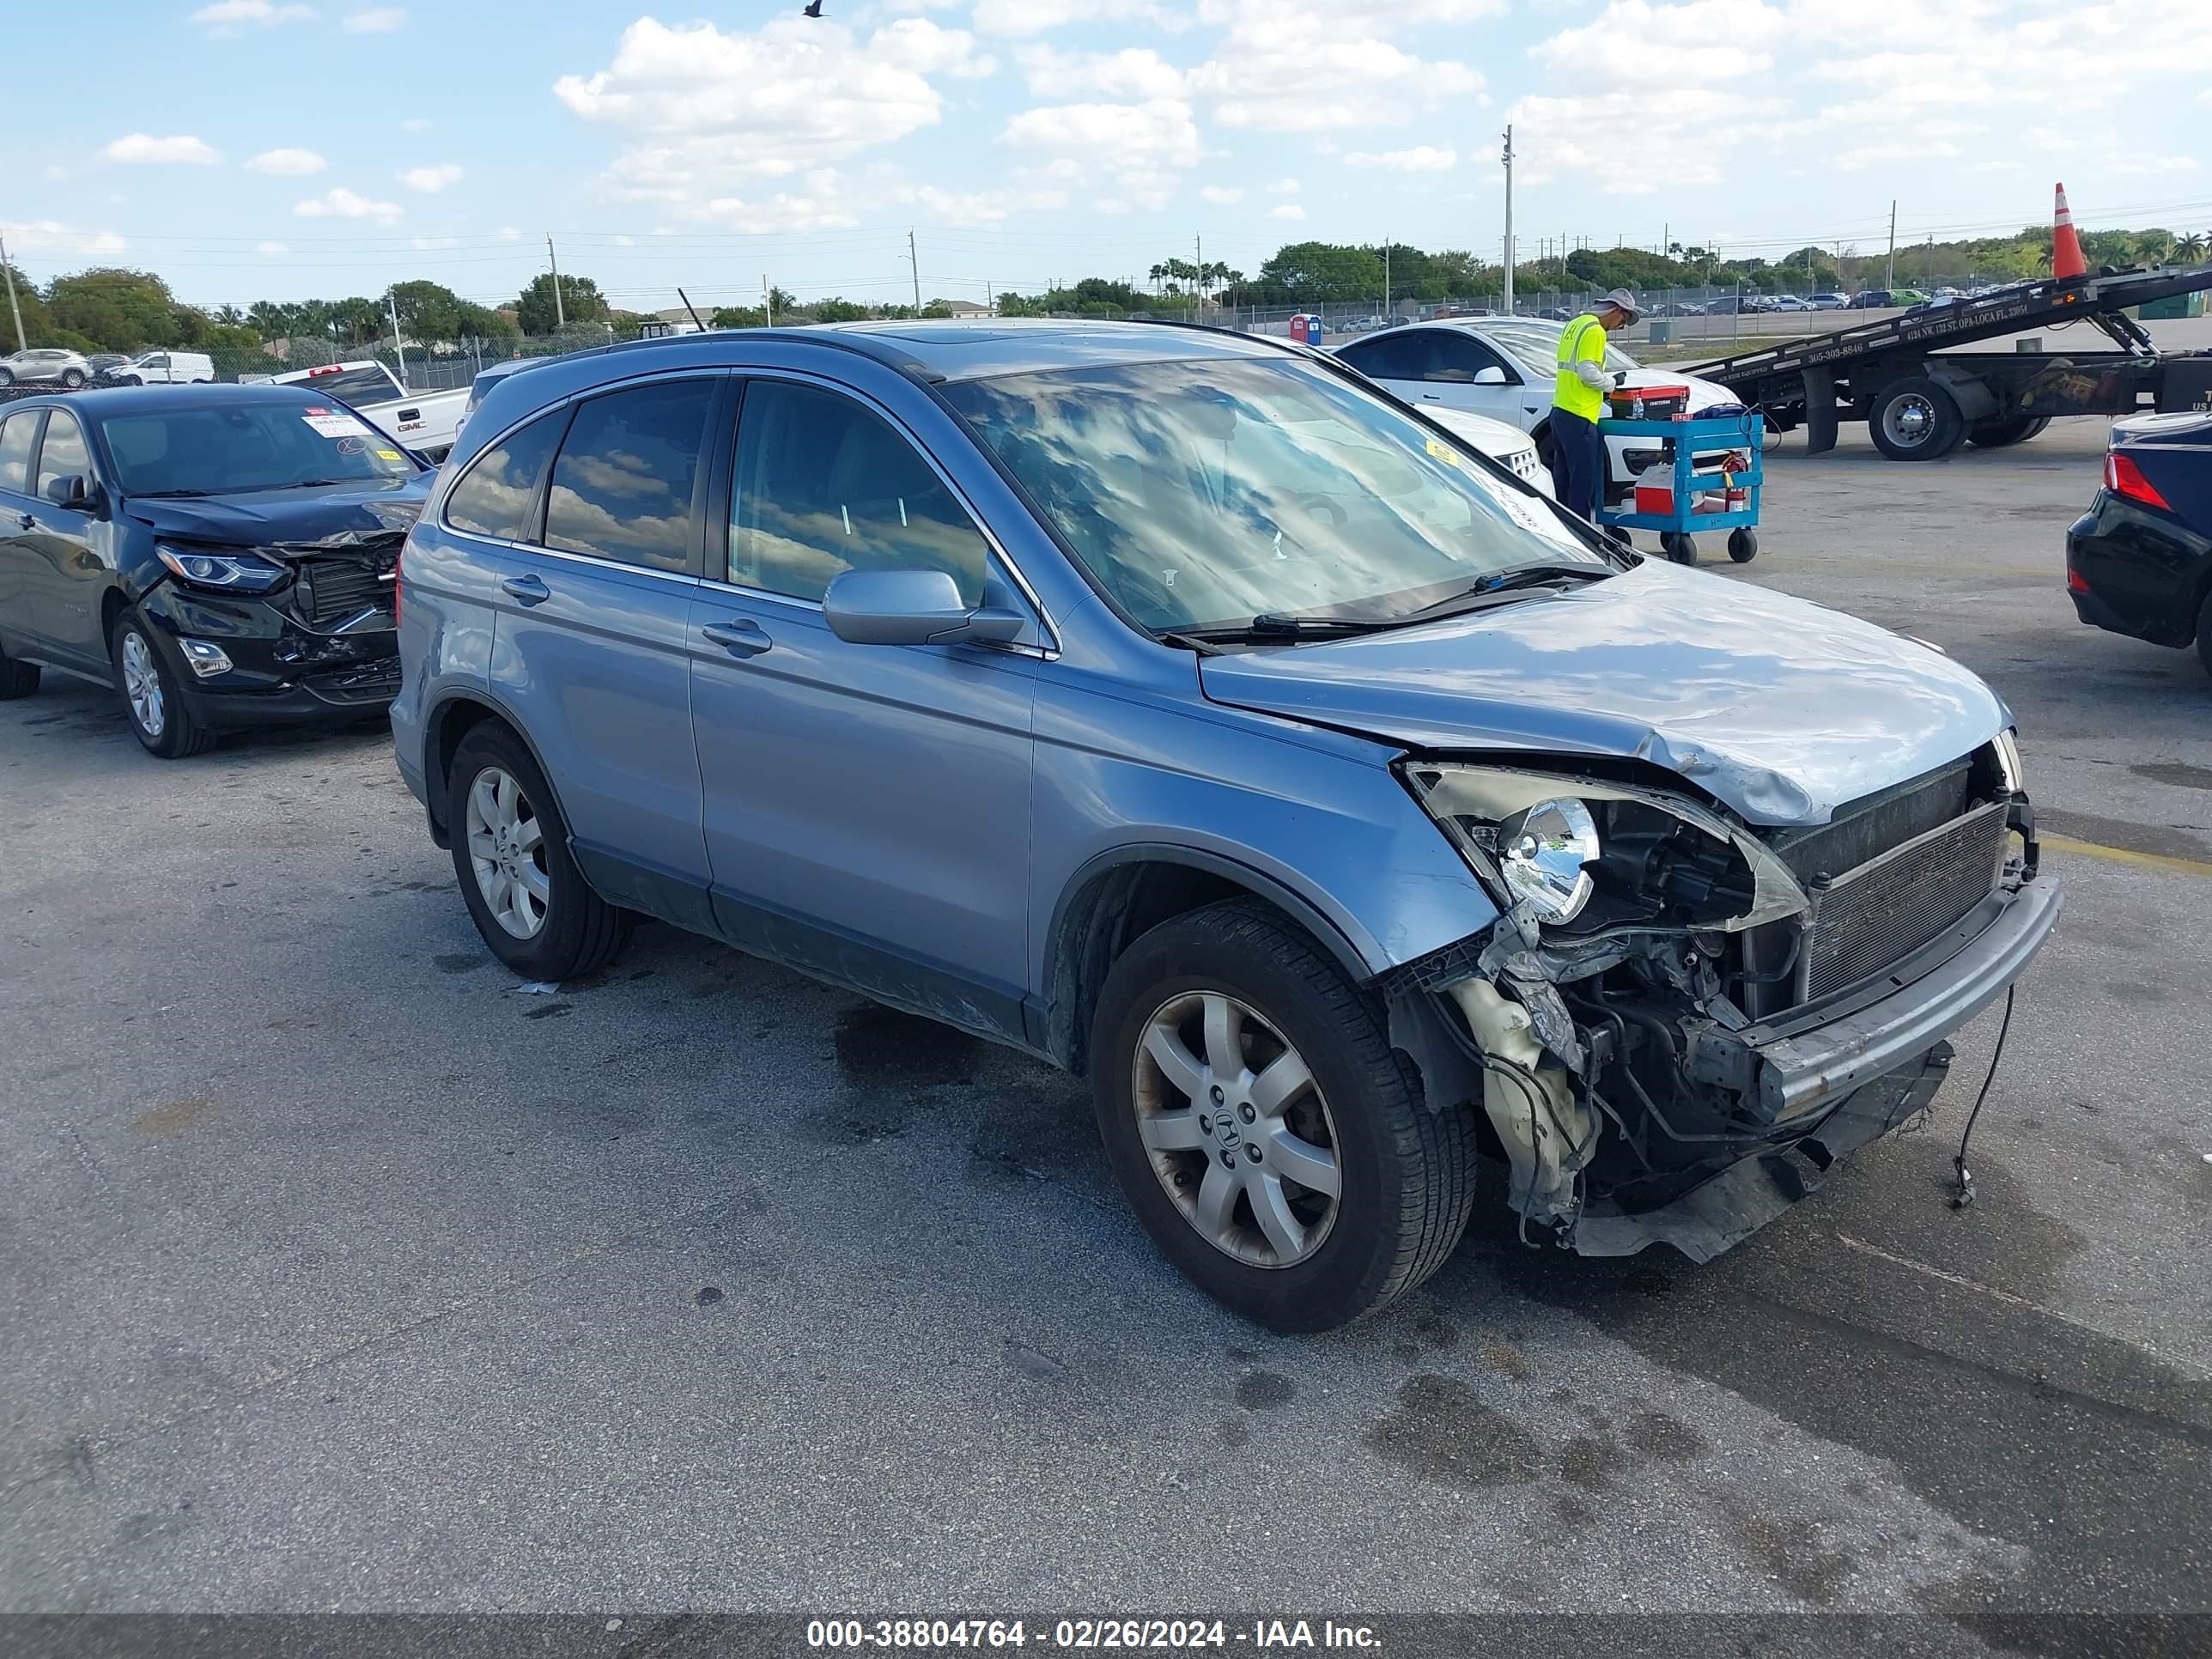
x: 1889, y: 271
x: 15, y: 310
x: 559, y: 316
x: 1506, y: 158
x: 768, y: 301
x: 913, y: 260
x: 398, y: 345
x: 1386, y: 273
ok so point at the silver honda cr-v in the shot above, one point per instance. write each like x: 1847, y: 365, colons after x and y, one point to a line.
x: 1179, y: 707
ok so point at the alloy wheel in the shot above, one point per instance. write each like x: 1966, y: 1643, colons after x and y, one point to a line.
x: 1237, y: 1129
x: 506, y: 849
x: 142, y: 684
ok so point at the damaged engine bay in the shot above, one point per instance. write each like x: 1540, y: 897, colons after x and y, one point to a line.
x: 1681, y: 1020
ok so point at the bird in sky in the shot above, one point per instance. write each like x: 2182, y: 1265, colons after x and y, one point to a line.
x: 814, y: 7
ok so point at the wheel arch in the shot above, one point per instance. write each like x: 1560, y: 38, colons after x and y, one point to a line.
x: 1120, y: 894
x: 450, y: 721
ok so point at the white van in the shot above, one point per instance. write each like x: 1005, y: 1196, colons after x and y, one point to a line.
x: 164, y: 368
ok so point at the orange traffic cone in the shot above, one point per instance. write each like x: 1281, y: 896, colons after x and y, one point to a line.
x: 2066, y: 258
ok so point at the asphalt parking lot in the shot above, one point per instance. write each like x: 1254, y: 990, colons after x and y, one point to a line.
x: 337, y: 1273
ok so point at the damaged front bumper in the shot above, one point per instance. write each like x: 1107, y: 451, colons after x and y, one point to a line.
x: 284, y: 664
x: 1649, y: 1083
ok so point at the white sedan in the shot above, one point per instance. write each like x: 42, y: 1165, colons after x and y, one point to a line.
x: 1505, y: 367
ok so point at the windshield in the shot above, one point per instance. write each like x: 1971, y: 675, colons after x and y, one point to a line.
x: 236, y: 447
x: 1204, y: 493
x: 1537, y: 345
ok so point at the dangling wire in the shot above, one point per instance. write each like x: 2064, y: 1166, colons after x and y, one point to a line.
x: 1964, y: 1195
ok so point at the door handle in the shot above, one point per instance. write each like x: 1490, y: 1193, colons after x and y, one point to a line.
x: 1432, y: 398
x: 739, y: 638
x: 528, y: 589
x: 410, y: 414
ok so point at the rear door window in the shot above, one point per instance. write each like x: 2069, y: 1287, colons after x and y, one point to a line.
x: 370, y: 384
x: 499, y: 495
x: 1393, y: 357
x: 16, y: 437
x: 63, y: 455
x: 626, y: 485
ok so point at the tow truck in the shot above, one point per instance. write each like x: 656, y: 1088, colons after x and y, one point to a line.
x: 1921, y: 399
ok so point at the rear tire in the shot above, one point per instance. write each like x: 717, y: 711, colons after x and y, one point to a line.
x: 2205, y: 634
x: 159, y: 719
x: 1683, y: 549
x: 1239, y: 978
x: 1914, y: 419
x: 72, y: 379
x: 511, y: 857
x: 1999, y: 435
x: 1743, y: 544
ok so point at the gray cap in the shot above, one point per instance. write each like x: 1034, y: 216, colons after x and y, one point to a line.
x: 1626, y: 301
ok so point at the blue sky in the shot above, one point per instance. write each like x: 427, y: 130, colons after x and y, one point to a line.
x: 268, y: 149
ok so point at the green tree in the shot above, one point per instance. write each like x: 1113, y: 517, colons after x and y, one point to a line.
x: 36, y: 322
x: 580, y: 302
x: 1306, y: 272
x: 737, y: 317
x: 123, y: 310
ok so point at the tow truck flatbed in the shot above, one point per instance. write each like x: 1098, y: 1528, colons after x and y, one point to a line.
x: 1922, y: 399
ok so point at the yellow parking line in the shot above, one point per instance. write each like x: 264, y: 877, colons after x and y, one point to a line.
x: 2125, y: 855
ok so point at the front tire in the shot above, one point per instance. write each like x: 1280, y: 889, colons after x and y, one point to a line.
x: 2205, y: 634
x: 1272, y: 1142
x: 159, y: 719
x: 1916, y: 420
x: 511, y: 856
x: 17, y: 679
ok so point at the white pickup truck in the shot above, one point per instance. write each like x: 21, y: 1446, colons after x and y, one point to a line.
x: 425, y: 421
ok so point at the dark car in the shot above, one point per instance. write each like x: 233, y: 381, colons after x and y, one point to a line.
x: 106, y: 362
x: 1873, y: 299
x: 224, y: 555
x: 2139, y: 561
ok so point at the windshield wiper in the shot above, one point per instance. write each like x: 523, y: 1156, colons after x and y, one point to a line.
x: 1269, y: 626
x: 1526, y: 575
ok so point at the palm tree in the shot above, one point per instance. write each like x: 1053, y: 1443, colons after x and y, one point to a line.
x: 2190, y: 246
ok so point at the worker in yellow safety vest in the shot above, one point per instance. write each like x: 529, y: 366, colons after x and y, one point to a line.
x: 1579, y: 402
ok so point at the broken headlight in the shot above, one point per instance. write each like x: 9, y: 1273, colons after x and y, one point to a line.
x: 1555, y: 849
x: 1543, y: 855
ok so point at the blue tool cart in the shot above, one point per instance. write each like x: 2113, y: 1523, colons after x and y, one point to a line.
x: 1738, y: 436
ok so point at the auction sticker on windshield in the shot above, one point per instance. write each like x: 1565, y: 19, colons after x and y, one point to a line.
x: 334, y: 426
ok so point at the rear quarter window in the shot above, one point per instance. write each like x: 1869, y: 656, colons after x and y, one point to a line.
x: 498, y: 495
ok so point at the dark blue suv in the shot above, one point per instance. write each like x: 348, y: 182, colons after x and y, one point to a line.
x: 1179, y: 707
x: 224, y: 555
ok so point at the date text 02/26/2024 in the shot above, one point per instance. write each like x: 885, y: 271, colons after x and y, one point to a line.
x: 1086, y: 1635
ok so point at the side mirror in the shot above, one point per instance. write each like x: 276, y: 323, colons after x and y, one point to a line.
x: 70, y: 491
x: 1492, y: 376
x: 913, y: 607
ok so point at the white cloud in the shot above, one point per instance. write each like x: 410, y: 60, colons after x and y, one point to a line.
x: 1020, y: 17
x: 509, y: 234
x: 1135, y: 73
x: 1286, y: 187
x: 782, y: 211
x: 230, y: 13
x: 287, y: 163
x: 1288, y: 211
x: 431, y: 181
x: 26, y: 236
x: 1636, y: 43
x: 343, y: 203
x: 1138, y: 146
x: 1422, y: 158
x: 425, y: 244
x: 144, y: 147
x: 272, y: 248
x: 966, y: 209
x: 707, y: 111
x: 416, y: 123
x: 376, y: 20
x: 1310, y: 66
x: 1221, y: 195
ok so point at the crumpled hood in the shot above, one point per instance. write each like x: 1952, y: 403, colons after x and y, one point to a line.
x: 337, y: 513
x: 1783, y: 709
